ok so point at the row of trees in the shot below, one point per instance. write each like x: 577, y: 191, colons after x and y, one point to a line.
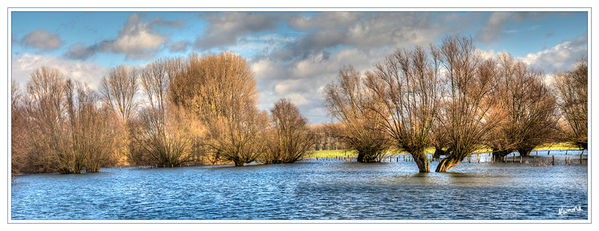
x: 170, y: 113
x: 452, y: 98
x: 202, y: 109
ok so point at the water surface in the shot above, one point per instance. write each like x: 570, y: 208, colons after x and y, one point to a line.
x: 308, y: 190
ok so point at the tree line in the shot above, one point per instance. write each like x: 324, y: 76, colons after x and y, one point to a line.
x: 173, y: 112
x: 203, y: 110
x: 453, y: 98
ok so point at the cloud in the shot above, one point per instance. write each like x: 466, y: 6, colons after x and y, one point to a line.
x: 303, y: 80
x: 42, y: 39
x: 180, y: 46
x: 80, y: 51
x: 364, y: 30
x: 225, y: 29
x: 561, y: 57
x: 136, y: 40
x: 496, y: 23
x: 87, y: 72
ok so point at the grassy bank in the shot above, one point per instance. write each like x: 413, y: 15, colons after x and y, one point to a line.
x: 336, y: 153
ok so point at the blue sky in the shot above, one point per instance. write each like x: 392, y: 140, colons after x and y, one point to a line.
x: 293, y: 54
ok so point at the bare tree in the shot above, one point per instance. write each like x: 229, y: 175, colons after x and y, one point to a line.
x: 470, y: 81
x: 118, y: 90
x: 158, y: 140
x: 91, y: 129
x: 289, y: 137
x: 406, y: 90
x: 572, y: 89
x: 156, y: 79
x: 221, y: 91
x: 157, y: 135
x: 67, y: 131
x: 20, y: 131
x: 525, y: 111
x: 46, y: 109
x: 349, y: 101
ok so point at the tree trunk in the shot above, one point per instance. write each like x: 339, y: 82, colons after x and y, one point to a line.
x: 438, y: 153
x: 524, y: 152
x: 238, y: 163
x: 364, y: 157
x: 582, y: 144
x: 422, y: 162
x: 447, y: 163
x: 498, y: 155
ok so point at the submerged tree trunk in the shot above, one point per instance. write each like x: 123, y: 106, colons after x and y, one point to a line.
x: 422, y: 162
x: 447, y: 163
x: 582, y: 144
x: 524, y: 152
x: 238, y: 163
x: 367, y: 157
x: 498, y: 155
x: 438, y: 153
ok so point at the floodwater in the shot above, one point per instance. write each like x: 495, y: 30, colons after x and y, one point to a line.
x: 324, y: 189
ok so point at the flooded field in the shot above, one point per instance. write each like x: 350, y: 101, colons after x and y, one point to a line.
x: 323, y: 189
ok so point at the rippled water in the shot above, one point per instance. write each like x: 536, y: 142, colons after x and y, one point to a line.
x: 307, y: 190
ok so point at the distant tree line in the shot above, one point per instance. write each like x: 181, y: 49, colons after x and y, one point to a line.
x: 453, y: 98
x: 173, y: 112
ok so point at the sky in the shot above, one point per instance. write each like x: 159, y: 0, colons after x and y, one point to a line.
x: 292, y: 54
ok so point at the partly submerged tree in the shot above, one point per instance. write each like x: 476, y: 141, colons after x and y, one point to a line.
x: 349, y: 101
x: 221, y: 91
x: 470, y: 81
x: 118, y: 91
x: 67, y: 130
x: 572, y: 90
x: 406, y: 92
x: 158, y: 135
x: 525, y: 110
x: 288, y: 137
x: 92, y: 130
x: 46, y: 110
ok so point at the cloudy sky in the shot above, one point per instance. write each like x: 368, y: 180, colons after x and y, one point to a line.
x: 292, y: 54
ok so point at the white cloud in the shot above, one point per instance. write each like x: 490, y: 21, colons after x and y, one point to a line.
x: 42, y: 39
x: 86, y: 72
x: 486, y: 54
x: 136, y: 40
x: 561, y: 57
